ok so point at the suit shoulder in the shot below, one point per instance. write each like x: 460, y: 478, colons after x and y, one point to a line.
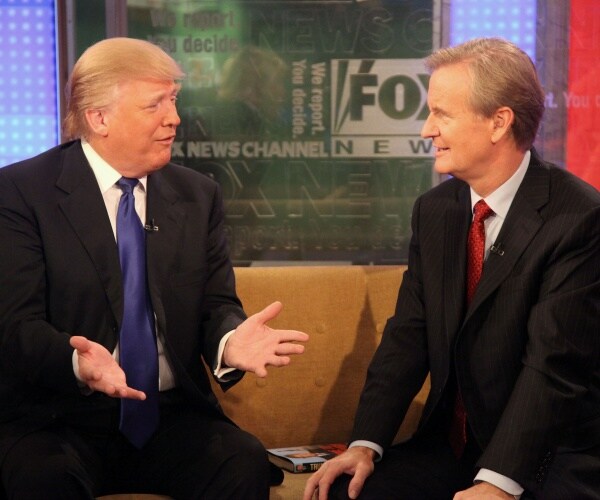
x: 39, y: 166
x: 557, y: 189
x: 568, y: 186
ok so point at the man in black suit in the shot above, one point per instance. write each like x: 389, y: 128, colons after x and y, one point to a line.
x: 517, y: 350
x: 62, y: 303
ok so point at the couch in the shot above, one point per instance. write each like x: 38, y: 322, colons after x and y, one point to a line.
x: 312, y: 401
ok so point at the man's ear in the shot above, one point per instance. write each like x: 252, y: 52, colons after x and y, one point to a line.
x: 503, y: 119
x: 97, y: 121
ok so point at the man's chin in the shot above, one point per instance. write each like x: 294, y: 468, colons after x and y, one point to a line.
x: 160, y: 161
x: 443, y: 167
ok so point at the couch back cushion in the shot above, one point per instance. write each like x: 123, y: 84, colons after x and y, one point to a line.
x: 344, y: 310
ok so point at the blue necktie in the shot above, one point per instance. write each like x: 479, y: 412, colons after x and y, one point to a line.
x: 137, y: 345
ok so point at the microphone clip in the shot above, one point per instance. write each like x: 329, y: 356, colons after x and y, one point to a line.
x: 151, y: 228
x: 497, y: 249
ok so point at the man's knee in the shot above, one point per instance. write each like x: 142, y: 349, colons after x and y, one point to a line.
x: 43, y: 466
x: 217, y: 461
x: 54, y: 477
x: 246, y: 471
x: 249, y: 457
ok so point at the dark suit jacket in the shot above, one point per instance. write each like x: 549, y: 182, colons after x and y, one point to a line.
x: 60, y: 276
x: 527, y: 349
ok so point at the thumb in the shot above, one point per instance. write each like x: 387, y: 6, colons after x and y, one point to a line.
x: 269, y: 312
x: 80, y: 343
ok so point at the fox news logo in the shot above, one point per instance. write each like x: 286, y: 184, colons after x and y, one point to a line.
x: 378, y: 96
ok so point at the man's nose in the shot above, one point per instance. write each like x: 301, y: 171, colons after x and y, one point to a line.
x: 172, y: 117
x: 429, y: 129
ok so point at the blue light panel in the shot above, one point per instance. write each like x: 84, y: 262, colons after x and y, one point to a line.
x: 511, y: 19
x: 28, y: 100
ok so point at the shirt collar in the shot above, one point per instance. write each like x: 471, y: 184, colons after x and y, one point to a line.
x: 106, y: 176
x: 501, y: 199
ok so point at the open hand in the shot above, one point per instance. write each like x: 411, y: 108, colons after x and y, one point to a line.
x: 254, y: 346
x: 99, y: 370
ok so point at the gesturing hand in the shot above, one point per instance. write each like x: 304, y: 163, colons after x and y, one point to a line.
x: 254, y: 346
x: 99, y: 370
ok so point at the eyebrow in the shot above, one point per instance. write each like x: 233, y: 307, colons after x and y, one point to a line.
x: 437, y: 110
x: 159, y: 95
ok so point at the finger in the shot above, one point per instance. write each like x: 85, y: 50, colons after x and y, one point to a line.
x: 287, y: 349
x: 125, y: 392
x: 326, y: 478
x: 130, y: 393
x: 355, y: 486
x: 323, y: 490
x: 291, y: 335
x: 358, y: 480
x: 260, y: 371
x: 80, y: 343
x: 311, y: 486
x: 269, y: 312
x: 278, y: 361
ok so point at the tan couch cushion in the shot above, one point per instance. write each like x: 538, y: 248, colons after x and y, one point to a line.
x: 312, y: 399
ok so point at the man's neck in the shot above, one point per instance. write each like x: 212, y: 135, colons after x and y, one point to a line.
x: 500, y: 170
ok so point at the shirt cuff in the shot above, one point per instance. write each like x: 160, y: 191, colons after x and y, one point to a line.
x: 219, y: 371
x: 75, y: 361
x: 369, y: 444
x: 504, y: 483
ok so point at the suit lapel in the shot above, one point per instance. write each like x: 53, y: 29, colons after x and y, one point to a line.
x: 84, y: 209
x: 522, y: 223
x: 161, y: 245
x: 457, y: 220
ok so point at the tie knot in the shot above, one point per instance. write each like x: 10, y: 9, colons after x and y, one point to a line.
x: 127, y: 184
x: 482, y: 211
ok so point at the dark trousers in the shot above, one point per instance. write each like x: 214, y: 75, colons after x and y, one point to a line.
x: 422, y: 468
x: 191, y: 456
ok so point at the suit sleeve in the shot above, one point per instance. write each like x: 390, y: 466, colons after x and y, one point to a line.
x: 223, y: 309
x: 399, y: 366
x: 31, y: 349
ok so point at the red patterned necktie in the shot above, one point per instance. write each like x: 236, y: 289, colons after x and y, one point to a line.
x: 475, y: 256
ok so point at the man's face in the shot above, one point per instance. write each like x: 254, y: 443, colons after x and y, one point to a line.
x: 462, y: 138
x: 141, y: 126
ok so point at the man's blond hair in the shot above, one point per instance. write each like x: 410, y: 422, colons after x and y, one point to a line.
x: 95, y: 78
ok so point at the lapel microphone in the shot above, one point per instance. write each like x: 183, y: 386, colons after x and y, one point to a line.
x: 495, y: 248
x: 151, y: 228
